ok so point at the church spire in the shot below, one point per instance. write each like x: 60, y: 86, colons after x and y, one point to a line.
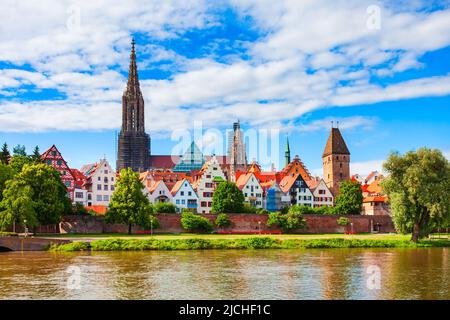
x: 133, y: 87
x: 287, y: 152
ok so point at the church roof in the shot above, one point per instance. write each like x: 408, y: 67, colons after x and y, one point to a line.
x: 335, y: 144
x: 191, y: 160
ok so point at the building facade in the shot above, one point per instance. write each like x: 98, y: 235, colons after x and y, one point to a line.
x: 184, y: 196
x: 321, y: 193
x: 100, y: 183
x: 158, y: 192
x: 253, y: 192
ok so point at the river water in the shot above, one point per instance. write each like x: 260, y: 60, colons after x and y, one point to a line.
x: 228, y: 274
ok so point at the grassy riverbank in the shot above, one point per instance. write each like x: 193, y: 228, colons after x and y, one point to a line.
x: 117, y: 244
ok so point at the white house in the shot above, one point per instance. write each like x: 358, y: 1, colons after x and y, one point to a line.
x: 251, y: 188
x: 80, y: 196
x: 322, y: 194
x: 297, y: 189
x: 184, y: 195
x: 100, y: 181
x: 158, y: 192
x: 207, y: 179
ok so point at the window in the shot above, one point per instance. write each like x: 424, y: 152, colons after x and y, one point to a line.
x: 340, y: 164
x: 59, y: 162
x: 49, y: 162
x: 209, y: 204
x: 79, y: 195
x: 341, y: 175
x: 105, y: 179
x: 106, y: 171
x: 99, y: 197
x: 64, y: 173
x: 182, y: 193
x: 89, y: 196
x: 183, y: 201
x: 208, y: 176
x: 53, y: 153
x: 99, y: 179
x: 99, y: 187
x: 67, y: 183
x: 112, y: 178
x: 105, y: 187
x: 105, y: 198
x: 208, y: 185
x: 112, y: 188
x: 177, y: 201
x: 189, y: 193
x: 203, y: 204
x: 321, y: 191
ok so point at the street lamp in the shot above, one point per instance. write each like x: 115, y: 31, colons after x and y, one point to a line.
x: 25, y: 229
x: 351, y: 225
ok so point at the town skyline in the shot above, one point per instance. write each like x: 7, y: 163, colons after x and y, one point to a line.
x: 221, y: 65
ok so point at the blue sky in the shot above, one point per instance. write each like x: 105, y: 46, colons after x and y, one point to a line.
x: 383, y: 72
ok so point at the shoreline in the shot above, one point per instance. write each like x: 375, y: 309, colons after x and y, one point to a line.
x: 250, y: 243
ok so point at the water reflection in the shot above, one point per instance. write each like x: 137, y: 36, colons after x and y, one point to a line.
x: 228, y: 274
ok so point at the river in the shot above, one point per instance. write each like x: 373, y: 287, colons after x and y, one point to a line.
x: 228, y: 274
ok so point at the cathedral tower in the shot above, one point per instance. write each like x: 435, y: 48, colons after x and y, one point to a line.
x: 335, y: 161
x: 134, y: 144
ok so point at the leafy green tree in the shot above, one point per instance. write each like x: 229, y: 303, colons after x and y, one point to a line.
x: 165, y: 207
x: 4, y: 154
x: 325, y: 210
x: 290, y: 221
x: 19, y: 150
x: 18, y: 162
x: 6, y: 174
x: 227, y: 198
x: 18, y: 207
x: 79, y: 209
x: 248, y: 208
x: 36, y: 155
x: 418, y: 187
x: 301, y: 209
x: 41, y: 189
x: 128, y: 204
x: 222, y: 220
x: 195, y: 222
x: 349, y: 200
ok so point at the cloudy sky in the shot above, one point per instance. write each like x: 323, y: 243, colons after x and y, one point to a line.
x: 380, y: 68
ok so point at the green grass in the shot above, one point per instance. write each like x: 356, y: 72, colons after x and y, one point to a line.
x: 120, y: 244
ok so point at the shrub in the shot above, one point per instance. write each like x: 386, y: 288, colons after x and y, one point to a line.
x: 193, y: 222
x: 79, y: 209
x: 290, y: 221
x: 248, y: 208
x: 227, y: 198
x: 165, y: 207
x: 262, y: 211
x: 301, y: 209
x: 343, y: 221
x: 325, y: 210
x: 8, y: 234
x: 223, y: 220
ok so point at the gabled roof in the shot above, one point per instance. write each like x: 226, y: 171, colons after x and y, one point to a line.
x: 335, y: 144
x: 296, y: 166
x: 163, y: 161
x: 287, y: 182
x: 313, y: 184
x: 192, y: 159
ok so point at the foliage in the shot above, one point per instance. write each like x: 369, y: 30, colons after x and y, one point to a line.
x: 35, y: 194
x: 195, y: 222
x: 262, y: 211
x: 6, y: 174
x: 18, y: 162
x: 128, y: 204
x: 343, y: 221
x: 418, y: 187
x: 8, y: 234
x: 301, y: 209
x: 289, y: 221
x: 165, y: 207
x: 228, y: 198
x: 240, y: 243
x: 36, y: 155
x: 223, y: 220
x: 325, y: 210
x: 19, y: 150
x: 79, y: 209
x: 248, y: 208
x: 349, y: 200
x: 4, y: 154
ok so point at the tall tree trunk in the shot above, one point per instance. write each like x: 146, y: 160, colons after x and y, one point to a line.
x: 129, y: 228
x: 415, y: 233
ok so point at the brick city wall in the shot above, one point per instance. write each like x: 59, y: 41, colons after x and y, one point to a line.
x: 170, y: 223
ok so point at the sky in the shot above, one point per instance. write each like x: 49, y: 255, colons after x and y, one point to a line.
x: 286, y: 68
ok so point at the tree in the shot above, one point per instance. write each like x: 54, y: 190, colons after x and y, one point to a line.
x: 223, y: 220
x: 36, y: 155
x: 6, y: 174
x: 19, y: 150
x: 349, y: 200
x: 290, y: 221
x: 228, y: 198
x: 18, y: 162
x: 165, y: 207
x: 418, y: 188
x: 128, y: 204
x: 18, y: 207
x: 301, y: 209
x: 4, y: 154
x: 41, y: 189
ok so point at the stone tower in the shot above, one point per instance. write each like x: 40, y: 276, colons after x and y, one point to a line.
x: 335, y: 161
x: 236, y: 151
x: 134, y: 144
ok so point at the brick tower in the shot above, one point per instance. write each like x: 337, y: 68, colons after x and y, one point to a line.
x: 133, y: 149
x: 335, y: 161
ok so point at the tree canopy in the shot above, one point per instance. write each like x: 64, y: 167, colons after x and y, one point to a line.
x: 418, y: 187
x: 128, y: 204
x: 228, y: 198
x: 4, y: 154
x: 349, y: 200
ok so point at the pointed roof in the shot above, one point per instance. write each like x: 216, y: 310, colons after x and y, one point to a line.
x: 335, y: 144
x: 191, y: 160
x: 133, y: 87
x: 287, y: 145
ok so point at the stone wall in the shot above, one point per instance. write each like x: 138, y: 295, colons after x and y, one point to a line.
x: 170, y: 223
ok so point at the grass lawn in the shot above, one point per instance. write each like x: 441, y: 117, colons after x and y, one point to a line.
x: 85, y: 237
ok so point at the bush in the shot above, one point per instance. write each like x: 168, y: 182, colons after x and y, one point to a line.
x: 8, y: 234
x: 79, y: 209
x: 165, y: 207
x: 193, y: 222
x: 228, y: 198
x: 262, y: 211
x: 223, y: 221
x: 343, y: 221
x: 290, y: 221
x: 301, y: 209
x: 248, y: 208
x: 326, y: 210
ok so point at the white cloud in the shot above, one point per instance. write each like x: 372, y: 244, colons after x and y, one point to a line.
x: 307, y: 50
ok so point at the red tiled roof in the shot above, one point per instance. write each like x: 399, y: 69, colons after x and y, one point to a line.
x: 163, y: 161
x: 177, y: 186
x: 100, y: 210
x: 375, y: 199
